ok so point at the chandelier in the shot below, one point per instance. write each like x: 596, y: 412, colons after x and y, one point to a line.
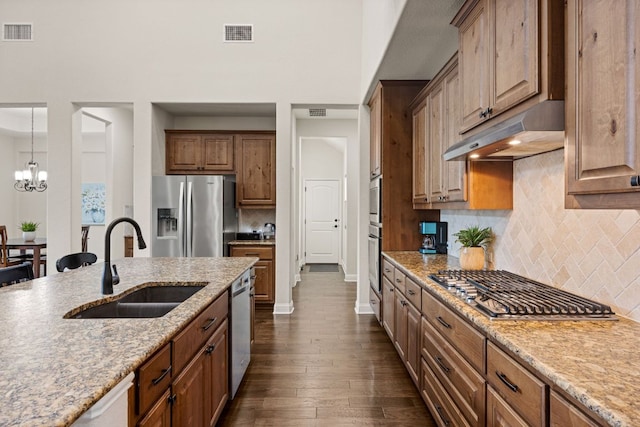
x: 31, y: 178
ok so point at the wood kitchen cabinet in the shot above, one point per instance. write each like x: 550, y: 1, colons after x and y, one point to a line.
x: 186, y: 381
x: 199, y: 152
x: 256, y: 177
x: 440, y: 184
x: 388, y: 308
x: 602, y: 155
x: 509, y: 52
x: 391, y: 145
x: 264, y: 287
x: 564, y: 414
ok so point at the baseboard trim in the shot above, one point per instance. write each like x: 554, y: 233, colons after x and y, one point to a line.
x: 283, y: 308
x: 363, y: 308
x: 350, y: 277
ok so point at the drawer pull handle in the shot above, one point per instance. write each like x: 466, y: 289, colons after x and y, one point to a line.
x: 158, y: 380
x: 442, y: 365
x: 386, y: 270
x: 398, y: 280
x: 173, y: 398
x: 410, y: 292
x: 505, y: 380
x: 210, y: 348
x: 210, y: 324
x: 443, y: 323
x: 442, y: 417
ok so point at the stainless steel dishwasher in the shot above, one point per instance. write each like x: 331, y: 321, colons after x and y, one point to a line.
x: 240, y: 330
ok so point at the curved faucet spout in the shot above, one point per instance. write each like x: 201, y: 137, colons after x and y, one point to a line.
x: 108, y: 278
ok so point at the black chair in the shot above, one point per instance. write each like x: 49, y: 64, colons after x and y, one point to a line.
x: 77, y: 260
x: 16, y: 273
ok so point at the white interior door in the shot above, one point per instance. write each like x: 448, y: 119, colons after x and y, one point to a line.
x: 322, y: 221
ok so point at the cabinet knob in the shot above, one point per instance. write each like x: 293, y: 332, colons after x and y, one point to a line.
x: 635, y: 181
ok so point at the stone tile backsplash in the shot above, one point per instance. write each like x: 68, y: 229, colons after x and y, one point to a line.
x: 593, y: 253
x: 255, y: 219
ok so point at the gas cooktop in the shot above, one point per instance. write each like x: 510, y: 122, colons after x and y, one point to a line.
x: 502, y: 295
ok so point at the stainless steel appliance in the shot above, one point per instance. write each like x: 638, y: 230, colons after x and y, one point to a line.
x: 375, y: 236
x: 375, y: 201
x: 269, y: 231
x: 502, y: 295
x: 434, y: 240
x: 240, y: 330
x: 193, y: 216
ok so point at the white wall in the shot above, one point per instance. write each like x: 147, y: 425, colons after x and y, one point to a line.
x: 8, y: 165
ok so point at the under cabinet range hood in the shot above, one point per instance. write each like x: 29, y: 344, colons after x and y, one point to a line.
x: 534, y: 131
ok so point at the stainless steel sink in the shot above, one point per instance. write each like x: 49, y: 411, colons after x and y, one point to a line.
x: 149, y: 301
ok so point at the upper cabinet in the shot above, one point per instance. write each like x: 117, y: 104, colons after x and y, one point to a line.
x: 256, y: 177
x: 199, y: 152
x: 438, y: 184
x: 603, y: 96
x: 509, y: 51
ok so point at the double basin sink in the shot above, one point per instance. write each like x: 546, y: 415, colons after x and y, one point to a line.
x: 151, y: 300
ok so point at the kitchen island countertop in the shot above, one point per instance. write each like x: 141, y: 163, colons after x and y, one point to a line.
x: 595, y: 362
x: 54, y: 369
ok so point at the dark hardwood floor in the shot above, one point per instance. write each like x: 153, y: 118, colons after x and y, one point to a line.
x: 324, y: 365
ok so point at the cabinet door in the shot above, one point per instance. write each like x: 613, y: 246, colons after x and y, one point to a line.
x: 160, y: 413
x: 184, y: 153
x: 217, y: 373
x: 514, y: 39
x: 189, y: 389
x: 264, y: 281
x: 217, y: 153
x: 375, y: 142
x: 564, y: 414
x: 603, y: 124
x: 420, y: 154
x: 499, y: 413
x: 388, y: 307
x: 256, y: 177
x: 400, y: 323
x: 474, y: 65
x: 413, y: 343
x: 437, y: 144
x: 454, y: 172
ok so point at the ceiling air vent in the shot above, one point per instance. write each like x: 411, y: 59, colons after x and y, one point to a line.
x: 238, y: 33
x: 17, y: 32
x: 317, y: 112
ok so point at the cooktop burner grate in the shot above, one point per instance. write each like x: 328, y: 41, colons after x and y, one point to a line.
x: 504, y: 295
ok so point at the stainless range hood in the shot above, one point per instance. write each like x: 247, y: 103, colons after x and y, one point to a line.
x: 538, y: 130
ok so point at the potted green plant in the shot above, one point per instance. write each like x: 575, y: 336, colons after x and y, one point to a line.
x: 474, y: 241
x: 29, y: 230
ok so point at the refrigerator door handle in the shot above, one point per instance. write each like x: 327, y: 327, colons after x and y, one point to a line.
x: 181, y: 219
x: 189, y: 231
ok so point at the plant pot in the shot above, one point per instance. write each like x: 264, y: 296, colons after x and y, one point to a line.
x: 472, y: 258
x: 29, y: 236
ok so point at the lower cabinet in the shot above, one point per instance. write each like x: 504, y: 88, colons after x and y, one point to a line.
x: 565, y: 414
x: 186, y: 382
x: 264, y: 287
x: 500, y: 413
x: 388, y: 308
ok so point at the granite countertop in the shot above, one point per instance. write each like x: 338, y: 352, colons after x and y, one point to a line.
x: 261, y: 242
x: 54, y: 369
x: 596, y: 362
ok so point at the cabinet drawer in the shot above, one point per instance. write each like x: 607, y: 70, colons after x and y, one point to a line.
x: 465, y: 386
x: 154, y: 377
x: 388, y: 269
x: 469, y: 342
x: 193, y: 337
x: 440, y: 404
x: 399, y: 281
x: 252, y: 251
x: 413, y: 292
x: 520, y: 389
x: 374, y: 301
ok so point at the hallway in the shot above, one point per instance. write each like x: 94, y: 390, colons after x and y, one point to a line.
x: 324, y: 366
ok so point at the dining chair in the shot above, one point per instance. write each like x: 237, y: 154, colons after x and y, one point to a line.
x: 5, y: 259
x: 16, y: 273
x: 85, y: 238
x: 77, y: 260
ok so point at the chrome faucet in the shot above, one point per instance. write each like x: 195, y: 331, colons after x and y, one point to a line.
x: 108, y: 278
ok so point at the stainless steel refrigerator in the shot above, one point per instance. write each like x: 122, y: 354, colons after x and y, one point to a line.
x: 193, y: 216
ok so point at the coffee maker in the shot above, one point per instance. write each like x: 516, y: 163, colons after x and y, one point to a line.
x: 434, y: 237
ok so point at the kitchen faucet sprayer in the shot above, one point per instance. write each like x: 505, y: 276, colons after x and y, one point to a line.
x: 108, y: 278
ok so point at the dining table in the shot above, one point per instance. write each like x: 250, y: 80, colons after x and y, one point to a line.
x: 34, y: 245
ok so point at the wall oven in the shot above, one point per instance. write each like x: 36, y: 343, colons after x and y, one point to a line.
x: 375, y: 201
x: 375, y: 237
